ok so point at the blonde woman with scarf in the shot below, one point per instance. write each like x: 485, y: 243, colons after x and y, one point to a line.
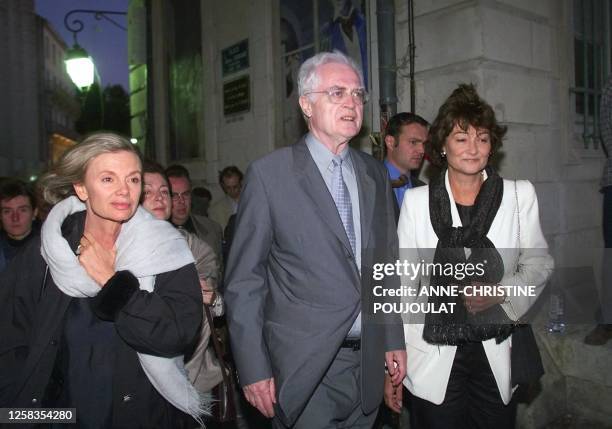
x: 98, y: 314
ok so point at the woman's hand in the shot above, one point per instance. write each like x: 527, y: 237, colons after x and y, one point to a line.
x: 97, y: 261
x: 475, y: 302
x: 208, y: 294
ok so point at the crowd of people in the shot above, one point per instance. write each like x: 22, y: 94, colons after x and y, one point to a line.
x: 110, y: 304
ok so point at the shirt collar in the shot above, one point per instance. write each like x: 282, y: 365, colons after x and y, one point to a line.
x: 395, y: 174
x: 323, y: 156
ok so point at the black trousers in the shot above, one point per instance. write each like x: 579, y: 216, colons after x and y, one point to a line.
x: 472, y: 398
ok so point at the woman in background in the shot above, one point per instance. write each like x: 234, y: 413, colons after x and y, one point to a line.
x: 203, y: 368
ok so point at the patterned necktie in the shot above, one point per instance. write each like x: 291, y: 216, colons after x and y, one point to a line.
x: 342, y: 199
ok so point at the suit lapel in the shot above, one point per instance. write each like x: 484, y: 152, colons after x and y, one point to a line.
x: 313, y: 185
x: 367, y: 193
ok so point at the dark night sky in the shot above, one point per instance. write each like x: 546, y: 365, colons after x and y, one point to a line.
x: 104, y: 42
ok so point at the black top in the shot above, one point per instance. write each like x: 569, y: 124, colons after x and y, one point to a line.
x: 465, y: 213
x: 86, y: 358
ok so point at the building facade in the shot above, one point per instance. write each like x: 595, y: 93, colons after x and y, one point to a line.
x: 38, y: 107
x: 60, y: 105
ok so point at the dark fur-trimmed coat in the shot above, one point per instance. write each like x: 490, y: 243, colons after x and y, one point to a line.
x: 33, y: 310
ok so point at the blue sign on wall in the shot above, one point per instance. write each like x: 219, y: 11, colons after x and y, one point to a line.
x: 235, y: 58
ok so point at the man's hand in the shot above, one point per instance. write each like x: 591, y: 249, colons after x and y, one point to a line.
x: 393, y: 395
x: 262, y: 395
x: 396, y: 365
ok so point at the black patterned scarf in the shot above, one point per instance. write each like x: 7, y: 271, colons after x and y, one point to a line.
x: 460, y: 326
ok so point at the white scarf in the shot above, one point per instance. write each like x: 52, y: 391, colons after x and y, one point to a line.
x: 145, y: 247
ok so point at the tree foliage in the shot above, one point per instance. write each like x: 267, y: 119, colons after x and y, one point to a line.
x: 108, y: 111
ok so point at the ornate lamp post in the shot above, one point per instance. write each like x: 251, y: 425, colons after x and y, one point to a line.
x: 79, y: 65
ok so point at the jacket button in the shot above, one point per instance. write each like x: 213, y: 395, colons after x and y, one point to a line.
x: 127, y: 398
x: 53, y: 343
x: 34, y: 400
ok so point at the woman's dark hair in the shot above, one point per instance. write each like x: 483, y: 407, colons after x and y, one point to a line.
x: 463, y: 108
x: 150, y: 166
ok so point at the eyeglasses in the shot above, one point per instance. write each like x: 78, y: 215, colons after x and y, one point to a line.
x: 149, y: 193
x: 338, y: 94
x: 186, y: 195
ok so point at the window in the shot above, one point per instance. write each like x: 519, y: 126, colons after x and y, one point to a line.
x: 307, y: 27
x: 591, y: 65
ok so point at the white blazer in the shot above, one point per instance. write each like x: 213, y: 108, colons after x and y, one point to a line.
x: 429, y: 366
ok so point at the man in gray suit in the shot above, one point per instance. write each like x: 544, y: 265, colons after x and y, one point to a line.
x: 313, y: 218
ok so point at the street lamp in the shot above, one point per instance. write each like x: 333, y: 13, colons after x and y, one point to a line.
x: 79, y: 65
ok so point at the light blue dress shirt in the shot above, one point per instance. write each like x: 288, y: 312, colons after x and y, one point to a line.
x: 323, y: 159
x: 395, y: 174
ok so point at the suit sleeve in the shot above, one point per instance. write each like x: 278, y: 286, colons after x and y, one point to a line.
x: 394, y: 333
x: 246, y: 280
x: 535, y: 265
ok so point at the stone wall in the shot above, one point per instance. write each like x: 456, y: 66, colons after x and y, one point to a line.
x: 520, y: 56
x: 19, y: 86
x: 241, y: 138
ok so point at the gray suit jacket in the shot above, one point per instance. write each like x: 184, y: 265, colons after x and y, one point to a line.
x: 293, y: 288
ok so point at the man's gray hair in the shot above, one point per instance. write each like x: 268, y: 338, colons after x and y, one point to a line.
x: 308, y: 77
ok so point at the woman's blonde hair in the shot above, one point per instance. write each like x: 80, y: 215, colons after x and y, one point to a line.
x: 57, y: 184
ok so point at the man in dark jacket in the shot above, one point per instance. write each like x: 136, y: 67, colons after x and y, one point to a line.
x: 405, y: 138
x: 206, y: 229
x: 18, y: 213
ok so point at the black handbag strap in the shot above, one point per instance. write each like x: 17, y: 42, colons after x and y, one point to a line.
x: 217, y: 346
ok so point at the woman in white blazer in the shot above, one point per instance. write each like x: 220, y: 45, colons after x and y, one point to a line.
x: 458, y: 363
